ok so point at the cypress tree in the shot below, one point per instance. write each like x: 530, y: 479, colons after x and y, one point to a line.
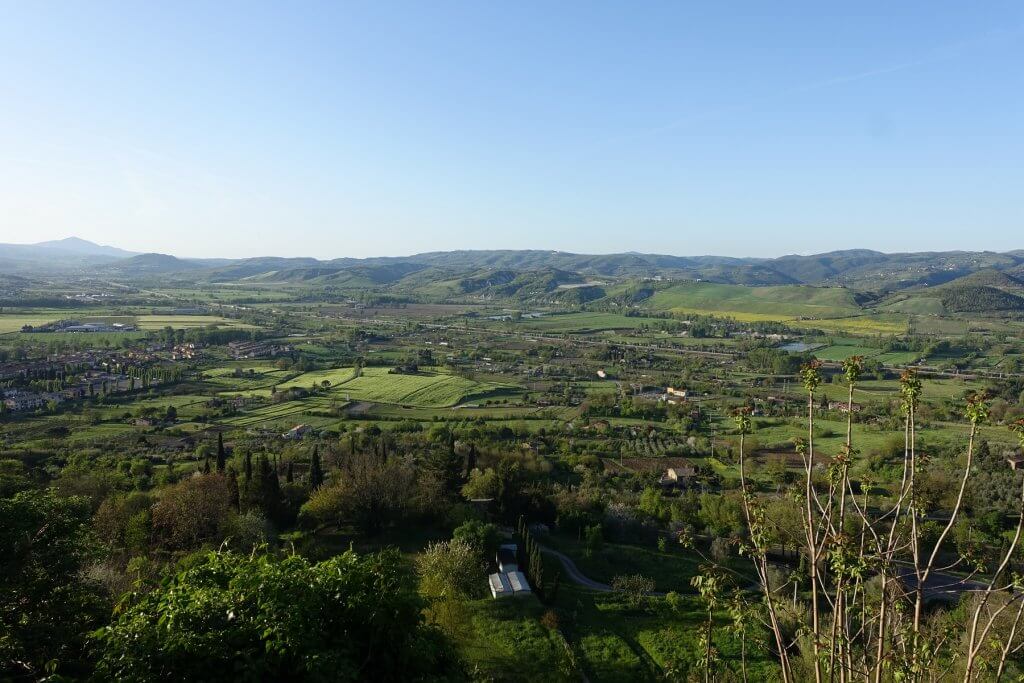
x: 290, y: 474
x: 233, y: 489
x: 316, y: 473
x: 206, y: 465
x: 248, y: 468
x: 221, y: 458
x: 470, y: 460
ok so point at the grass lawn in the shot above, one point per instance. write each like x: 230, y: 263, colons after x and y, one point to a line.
x: 671, y: 570
x: 505, y: 641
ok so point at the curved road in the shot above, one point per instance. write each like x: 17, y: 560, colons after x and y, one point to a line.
x: 580, y: 578
x: 575, y: 574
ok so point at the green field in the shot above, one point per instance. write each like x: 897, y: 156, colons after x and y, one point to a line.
x: 334, y: 376
x: 826, y: 308
x: 287, y: 412
x: 777, y: 303
x: 429, y: 390
x: 158, y: 322
x: 435, y: 389
x: 14, y: 322
x: 586, y: 322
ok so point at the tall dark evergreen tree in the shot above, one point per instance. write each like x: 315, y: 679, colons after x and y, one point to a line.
x: 290, y: 473
x: 470, y: 459
x: 221, y: 458
x: 316, y: 473
x: 233, y: 492
x: 248, y: 468
x: 206, y: 465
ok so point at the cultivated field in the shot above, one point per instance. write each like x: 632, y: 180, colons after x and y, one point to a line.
x: 429, y: 390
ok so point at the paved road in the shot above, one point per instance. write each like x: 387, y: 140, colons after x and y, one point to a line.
x: 574, y: 573
x: 578, y: 577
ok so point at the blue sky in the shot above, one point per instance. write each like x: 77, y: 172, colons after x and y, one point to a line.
x: 385, y: 128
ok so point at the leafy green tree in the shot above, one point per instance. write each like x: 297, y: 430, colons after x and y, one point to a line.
x: 192, y: 512
x: 45, y: 605
x: 481, y: 536
x: 236, y: 617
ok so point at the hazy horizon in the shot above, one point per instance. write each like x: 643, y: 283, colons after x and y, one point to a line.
x: 386, y: 129
x: 564, y: 251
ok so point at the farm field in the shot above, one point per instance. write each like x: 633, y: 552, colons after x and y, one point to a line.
x: 781, y: 302
x: 840, y: 352
x: 586, y: 322
x: 334, y: 376
x: 430, y: 390
x: 14, y: 322
x: 288, y: 412
x: 158, y: 322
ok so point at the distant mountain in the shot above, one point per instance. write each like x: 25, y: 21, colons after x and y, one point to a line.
x: 57, y: 256
x: 147, y: 264
x: 76, y: 245
x: 533, y: 272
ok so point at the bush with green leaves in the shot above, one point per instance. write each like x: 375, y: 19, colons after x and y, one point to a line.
x: 481, y: 536
x: 231, y: 617
x: 45, y: 605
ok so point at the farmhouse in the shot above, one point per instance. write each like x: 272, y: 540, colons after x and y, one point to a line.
x: 297, y: 432
x: 678, y: 392
x: 842, y: 406
x: 677, y: 476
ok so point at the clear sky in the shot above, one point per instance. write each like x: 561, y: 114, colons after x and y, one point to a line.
x: 385, y: 128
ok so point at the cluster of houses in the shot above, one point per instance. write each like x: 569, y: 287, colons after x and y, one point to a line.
x: 673, y: 395
x: 508, y: 581
x: 242, y: 350
x: 93, y: 384
x: 186, y: 351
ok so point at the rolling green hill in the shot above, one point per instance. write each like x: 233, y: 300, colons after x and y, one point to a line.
x: 785, y: 302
